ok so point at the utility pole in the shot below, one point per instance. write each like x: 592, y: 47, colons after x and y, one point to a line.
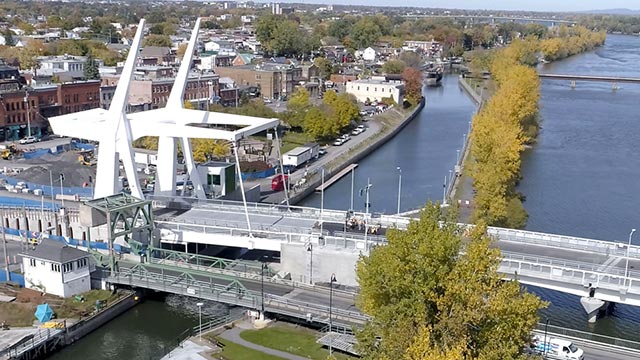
x: 4, y: 252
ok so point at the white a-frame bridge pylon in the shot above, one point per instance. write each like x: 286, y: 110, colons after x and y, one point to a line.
x: 115, y: 130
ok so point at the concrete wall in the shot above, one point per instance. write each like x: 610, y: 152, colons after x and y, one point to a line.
x: 358, y: 156
x: 327, y: 260
x: 84, y: 327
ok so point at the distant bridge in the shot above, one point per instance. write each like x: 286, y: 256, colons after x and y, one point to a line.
x: 492, y: 19
x: 574, y: 78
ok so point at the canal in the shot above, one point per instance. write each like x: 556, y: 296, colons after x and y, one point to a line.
x: 580, y: 179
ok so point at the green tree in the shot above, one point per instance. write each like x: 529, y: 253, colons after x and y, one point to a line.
x: 157, y: 40
x: 8, y: 37
x: 341, y: 28
x: 365, y: 32
x: 298, y: 105
x: 434, y: 293
x: 394, y: 67
x: 325, y: 67
x: 317, y: 125
x: 91, y: 69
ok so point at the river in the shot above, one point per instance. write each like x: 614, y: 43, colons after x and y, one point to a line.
x: 579, y: 179
x: 582, y: 177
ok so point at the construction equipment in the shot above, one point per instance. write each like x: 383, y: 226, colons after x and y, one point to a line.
x: 86, y: 158
x: 9, y: 152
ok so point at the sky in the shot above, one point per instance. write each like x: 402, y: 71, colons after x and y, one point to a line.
x: 532, y: 5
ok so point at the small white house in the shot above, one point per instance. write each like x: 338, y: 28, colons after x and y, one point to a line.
x: 369, y: 54
x: 376, y: 90
x: 55, y: 268
x: 218, y: 178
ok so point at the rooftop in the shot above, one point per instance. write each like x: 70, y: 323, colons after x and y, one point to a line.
x: 55, y: 251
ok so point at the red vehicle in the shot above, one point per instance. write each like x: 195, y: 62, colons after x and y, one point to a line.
x: 277, y: 183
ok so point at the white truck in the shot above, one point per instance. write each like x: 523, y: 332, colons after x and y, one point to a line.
x: 555, y: 348
x: 297, y: 156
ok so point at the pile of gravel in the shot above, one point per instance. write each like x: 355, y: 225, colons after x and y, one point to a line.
x: 75, y: 174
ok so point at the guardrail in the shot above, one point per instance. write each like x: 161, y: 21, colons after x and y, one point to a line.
x: 575, y: 273
x: 352, y: 241
x: 558, y: 331
x: 565, y: 242
x: 232, y: 295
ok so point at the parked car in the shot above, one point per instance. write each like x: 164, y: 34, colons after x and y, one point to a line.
x: 322, y: 152
x: 29, y: 140
x: 267, y: 100
x: 345, y: 137
x: 338, y: 142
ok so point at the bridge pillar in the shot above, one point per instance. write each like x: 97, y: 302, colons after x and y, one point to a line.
x: 592, y: 306
x: 573, y: 84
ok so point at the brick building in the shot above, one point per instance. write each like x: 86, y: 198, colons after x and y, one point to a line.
x: 79, y: 96
x: 274, y: 80
x: 199, y: 91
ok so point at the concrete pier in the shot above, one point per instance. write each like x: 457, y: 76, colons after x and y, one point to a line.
x: 592, y: 306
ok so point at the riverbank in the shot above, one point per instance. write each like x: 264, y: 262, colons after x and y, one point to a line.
x: 389, y: 129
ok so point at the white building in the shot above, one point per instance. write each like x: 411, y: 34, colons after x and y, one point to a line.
x: 218, y: 178
x: 55, y: 268
x: 368, y: 54
x: 376, y: 90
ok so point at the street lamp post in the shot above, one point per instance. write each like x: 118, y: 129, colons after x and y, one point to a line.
x: 546, y: 324
x: 626, y: 268
x: 263, y: 268
x: 353, y: 170
x: 4, y: 252
x: 199, y: 305
x: 310, y: 250
x: 26, y: 99
x: 322, y: 203
x: 399, y: 186
x: 333, y: 279
x: 62, y: 189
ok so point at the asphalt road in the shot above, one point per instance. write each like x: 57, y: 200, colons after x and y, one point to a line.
x: 373, y: 127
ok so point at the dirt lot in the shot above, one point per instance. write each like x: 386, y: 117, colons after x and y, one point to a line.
x: 75, y: 174
x: 20, y: 312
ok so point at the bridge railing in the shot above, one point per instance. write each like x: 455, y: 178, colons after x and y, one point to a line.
x: 348, y: 240
x: 232, y: 295
x: 569, y: 272
x: 567, y: 242
x: 279, y: 210
x: 602, y: 339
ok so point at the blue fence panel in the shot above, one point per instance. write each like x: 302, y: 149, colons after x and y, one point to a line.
x: 259, y: 174
x: 14, y: 277
x: 36, y: 154
x: 48, y: 190
x: 82, y: 146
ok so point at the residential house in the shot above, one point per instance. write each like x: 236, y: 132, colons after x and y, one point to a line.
x: 156, y: 55
x: 55, y: 268
x: 213, y: 61
x: 243, y: 59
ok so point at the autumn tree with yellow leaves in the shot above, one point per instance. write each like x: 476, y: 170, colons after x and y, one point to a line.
x: 435, y: 294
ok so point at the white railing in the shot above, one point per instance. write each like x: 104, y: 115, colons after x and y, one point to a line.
x: 351, y: 241
x: 569, y: 272
x: 565, y: 242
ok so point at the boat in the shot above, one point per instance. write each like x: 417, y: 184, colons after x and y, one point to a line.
x: 433, y: 77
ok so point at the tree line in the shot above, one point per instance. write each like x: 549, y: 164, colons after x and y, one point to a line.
x: 509, y: 121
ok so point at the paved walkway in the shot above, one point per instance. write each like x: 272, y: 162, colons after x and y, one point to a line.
x: 233, y: 335
x: 188, y: 351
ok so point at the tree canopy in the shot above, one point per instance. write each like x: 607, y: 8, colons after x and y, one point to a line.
x: 434, y: 292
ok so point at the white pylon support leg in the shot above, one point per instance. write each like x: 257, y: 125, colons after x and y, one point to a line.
x: 187, y: 151
x: 117, y: 127
x: 108, y: 170
x: 286, y: 183
x: 123, y: 144
x: 244, y: 196
x: 166, y: 170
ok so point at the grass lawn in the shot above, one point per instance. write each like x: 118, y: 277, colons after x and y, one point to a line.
x: 292, y: 140
x: 17, y: 314
x: 292, y: 339
x: 71, y: 308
